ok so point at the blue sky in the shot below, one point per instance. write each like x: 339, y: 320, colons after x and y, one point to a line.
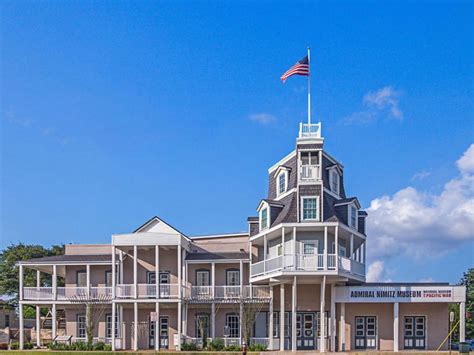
x: 112, y: 112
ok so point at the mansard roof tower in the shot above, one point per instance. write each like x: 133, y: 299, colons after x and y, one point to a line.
x: 306, y: 192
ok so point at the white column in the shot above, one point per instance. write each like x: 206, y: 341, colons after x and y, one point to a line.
x: 294, y: 248
x: 336, y: 246
x: 114, y: 310
x: 241, y: 314
x: 121, y: 267
x: 462, y: 321
x: 282, y: 317
x: 88, y: 280
x: 157, y: 271
x: 365, y: 251
x: 55, y: 283
x: 333, y: 317
x: 270, y: 320
x: 179, y: 274
x: 114, y: 276
x: 54, y: 321
x: 135, y: 324
x: 264, y: 253
x: 351, y: 250
x: 213, y: 320
x: 213, y: 280
x: 293, y: 316
x: 178, y: 346
x: 135, y: 275
x: 20, y: 270
x: 241, y: 278
x: 283, y: 252
x: 325, y: 255
x: 395, y: 326
x: 38, y: 311
x: 322, y: 337
x: 342, y: 328
x: 22, y: 330
x: 157, y: 326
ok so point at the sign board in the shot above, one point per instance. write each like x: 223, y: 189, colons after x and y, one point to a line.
x: 153, y: 317
x: 400, y: 293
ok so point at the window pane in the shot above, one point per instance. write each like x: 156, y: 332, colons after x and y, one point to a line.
x: 81, y: 279
x: 308, y: 248
x: 310, y: 208
x: 281, y: 183
x: 265, y: 218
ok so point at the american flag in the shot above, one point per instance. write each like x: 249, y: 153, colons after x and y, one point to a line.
x: 300, y: 68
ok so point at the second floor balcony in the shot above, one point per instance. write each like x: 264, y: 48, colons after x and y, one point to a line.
x: 319, y: 263
x: 228, y: 293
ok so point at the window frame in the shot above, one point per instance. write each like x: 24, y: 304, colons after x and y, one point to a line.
x: 80, y: 272
x: 108, y: 325
x: 283, y: 173
x: 266, y: 209
x: 196, y: 325
x: 209, y: 281
x: 331, y: 181
x: 352, y: 213
x: 78, y: 328
x: 303, y: 198
x: 235, y: 323
x: 227, y: 276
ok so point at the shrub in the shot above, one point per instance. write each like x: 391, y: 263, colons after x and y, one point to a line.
x: 188, y: 346
x: 216, y: 344
x: 100, y: 346
x: 257, y: 347
x: 108, y: 347
x: 28, y: 346
x: 232, y: 348
x: 14, y: 346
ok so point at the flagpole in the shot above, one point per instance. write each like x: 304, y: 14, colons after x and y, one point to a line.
x: 309, y: 90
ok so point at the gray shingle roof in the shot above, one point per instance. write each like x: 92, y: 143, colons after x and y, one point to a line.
x: 70, y: 259
x: 217, y: 256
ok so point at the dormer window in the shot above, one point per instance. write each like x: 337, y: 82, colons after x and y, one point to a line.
x: 353, y: 216
x: 334, y: 180
x: 310, y: 208
x: 264, y: 218
x: 282, y: 183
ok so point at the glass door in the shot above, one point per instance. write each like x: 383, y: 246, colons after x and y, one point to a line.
x: 366, y: 332
x: 164, y: 322
x: 414, y: 332
x: 305, y: 330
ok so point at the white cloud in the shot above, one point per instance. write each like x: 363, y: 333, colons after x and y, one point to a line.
x: 417, y: 223
x: 466, y: 162
x: 420, y: 175
x: 376, y: 272
x: 378, y: 102
x: 263, y: 118
x: 385, y: 98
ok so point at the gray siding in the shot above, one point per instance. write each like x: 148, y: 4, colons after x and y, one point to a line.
x: 292, y: 176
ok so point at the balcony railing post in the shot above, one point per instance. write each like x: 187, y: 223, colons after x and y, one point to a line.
x: 265, y: 254
x: 336, y: 246
x: 325, y: 259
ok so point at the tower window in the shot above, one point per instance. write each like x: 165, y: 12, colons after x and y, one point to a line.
x: 281, y: 183
x: 264, y: 218
x: 310, y: 209
x: 352, y: 216
x: 334, y: 181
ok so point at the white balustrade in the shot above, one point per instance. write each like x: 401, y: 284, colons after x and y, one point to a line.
x: 38, y: 293
x: 227, y: 292
x: 309, y: 172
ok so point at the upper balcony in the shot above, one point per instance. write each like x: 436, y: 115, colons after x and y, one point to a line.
x: 308, y: 263
x: 310, y: 130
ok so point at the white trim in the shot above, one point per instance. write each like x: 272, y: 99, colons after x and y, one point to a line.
x: 283, y: 195
x: 318, y: 212
x: 285, y: 173
x: 267, y: 208
x: 333, y: 171
x: 349, y: 216
x: 283, y: 160
x: 328, y: 191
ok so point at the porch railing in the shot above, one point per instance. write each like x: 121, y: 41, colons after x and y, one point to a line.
x: 309, y: 172
x: 302, y: 262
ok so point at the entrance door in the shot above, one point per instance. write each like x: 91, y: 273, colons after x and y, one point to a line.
x: 151, y: 334
x: 305, y: 330
x: 366, y: 332
x: 414, y: 332
x: 163, y: 327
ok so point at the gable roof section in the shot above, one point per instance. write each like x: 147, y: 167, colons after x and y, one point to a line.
x: 157, y: 225
x: 347, y: 201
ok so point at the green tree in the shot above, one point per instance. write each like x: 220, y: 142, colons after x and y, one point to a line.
x: 9, y: 273
x: 468, y: 281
